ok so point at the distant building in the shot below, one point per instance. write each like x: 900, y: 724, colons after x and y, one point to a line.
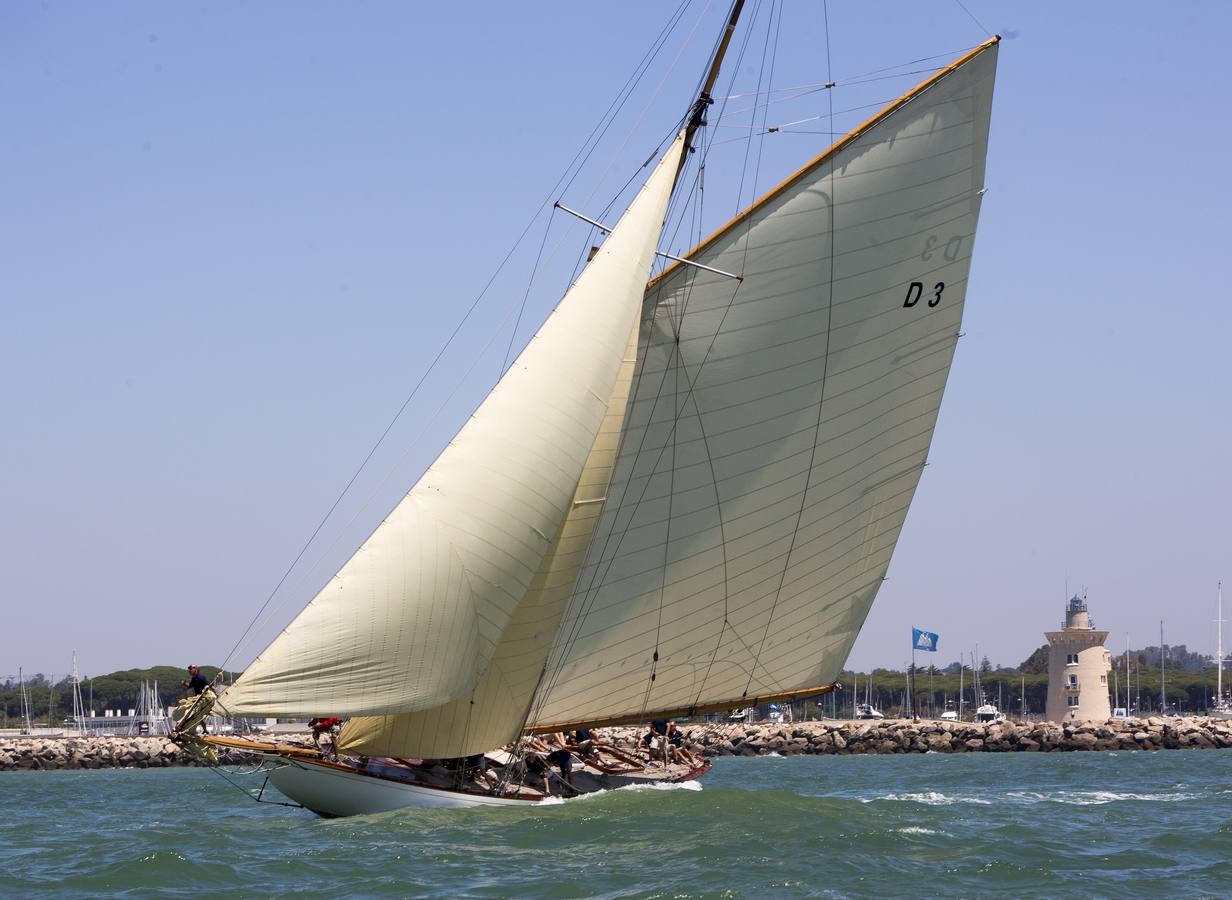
x: 1078, y: 667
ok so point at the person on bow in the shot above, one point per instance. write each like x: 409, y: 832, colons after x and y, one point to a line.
x: 196, y: 682
x: 197, y: 685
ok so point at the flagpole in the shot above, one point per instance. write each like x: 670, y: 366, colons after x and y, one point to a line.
x: 915, y: 713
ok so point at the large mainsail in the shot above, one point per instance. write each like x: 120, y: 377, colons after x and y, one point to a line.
x: 778, y: 426
x: 414, y: 620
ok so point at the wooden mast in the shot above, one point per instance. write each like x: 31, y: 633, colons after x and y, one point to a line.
x: 697, y: 117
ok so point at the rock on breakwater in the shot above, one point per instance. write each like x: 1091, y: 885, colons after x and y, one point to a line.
x: 31, y: 753
x: 817, y: 737
x: 906, y: 736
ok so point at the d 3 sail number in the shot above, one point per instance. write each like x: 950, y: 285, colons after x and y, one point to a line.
x: 915, y: 291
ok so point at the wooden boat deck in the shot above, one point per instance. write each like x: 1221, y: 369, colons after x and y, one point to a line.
x: 586, y: 778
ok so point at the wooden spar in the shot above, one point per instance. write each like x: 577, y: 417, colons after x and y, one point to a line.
x: 679, y: 259
x: 681, y: 712
x: 831, y: 151
x: 698, y: 114
x: 235, y: 743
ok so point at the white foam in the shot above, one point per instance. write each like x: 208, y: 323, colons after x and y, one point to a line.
x: 1031, y: 798
x: 650, y: 786
x: 664, y: 786
x: 914, y: 829
x: 1097, y: 798
x: 932, y: 798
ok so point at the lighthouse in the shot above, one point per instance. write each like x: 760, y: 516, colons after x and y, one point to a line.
x: 1078, y: 667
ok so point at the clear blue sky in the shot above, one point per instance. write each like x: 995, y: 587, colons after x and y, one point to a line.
x: 232, y: 236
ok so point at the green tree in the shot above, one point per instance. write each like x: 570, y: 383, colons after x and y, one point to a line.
x: 1036, y: 663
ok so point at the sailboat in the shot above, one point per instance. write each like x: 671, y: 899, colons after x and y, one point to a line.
x: 867, y: 710
x: 682, y: 497
x: 1222, y: 707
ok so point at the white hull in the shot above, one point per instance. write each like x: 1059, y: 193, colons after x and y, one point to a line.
x: 333, y: 792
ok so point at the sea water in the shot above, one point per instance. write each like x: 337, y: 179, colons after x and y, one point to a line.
x: 1046, y: 825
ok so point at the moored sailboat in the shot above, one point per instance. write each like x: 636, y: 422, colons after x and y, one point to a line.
x: 681, y: 497
x: 1221, y: 708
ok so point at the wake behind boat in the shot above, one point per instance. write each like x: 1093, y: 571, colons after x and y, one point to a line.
x: 683, y: 495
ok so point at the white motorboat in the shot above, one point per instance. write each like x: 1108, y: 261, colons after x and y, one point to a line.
x: 987, y: 713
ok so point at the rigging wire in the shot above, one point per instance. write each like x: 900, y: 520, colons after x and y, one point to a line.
x: 579, y: 616
x: 513, y: 332
x: 575, y: 166
x: 812, y: 87
x: 761, y: 146
x: 731, y: 302
x: 572, y: 629
x: 769, y: 77
x: 602, y: 177
x: 978, y: 23
x: 591, y: 592
x: 675, y: 366
x: 677, y: 369
x: 745, y: 167
x: 825, y: 367
x: 478, y: 358
x: 216, y: 768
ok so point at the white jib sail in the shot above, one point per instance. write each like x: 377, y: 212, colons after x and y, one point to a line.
x: 493, y: 713
x: 413, y: 619
x: 778, y: 426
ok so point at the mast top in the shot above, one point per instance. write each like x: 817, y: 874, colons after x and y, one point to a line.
x: 697, y: 117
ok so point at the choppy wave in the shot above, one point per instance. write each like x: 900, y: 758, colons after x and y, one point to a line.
x: 627, y: 789
x: 970, y: 824
x: 1098, y: 798
x: 932, y: 798
x: 1073, y: 798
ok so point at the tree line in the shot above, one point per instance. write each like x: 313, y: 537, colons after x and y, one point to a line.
x: 1190, y: 684
x: 117, y: 690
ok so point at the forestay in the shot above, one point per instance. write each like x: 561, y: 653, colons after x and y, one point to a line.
x: 779, y: 425
x: 415, y: 618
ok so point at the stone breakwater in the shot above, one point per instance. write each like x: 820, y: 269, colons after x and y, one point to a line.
x: 28, y: 753
x: 824, y: 737
x: 905, y: 736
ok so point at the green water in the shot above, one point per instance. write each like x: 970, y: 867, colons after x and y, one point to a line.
x: 1047, y: 825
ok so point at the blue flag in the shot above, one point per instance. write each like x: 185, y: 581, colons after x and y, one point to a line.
x: 923, y: 640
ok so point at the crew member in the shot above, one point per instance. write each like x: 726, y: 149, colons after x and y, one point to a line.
x: 196, y: 682
x: 323, y: 725
x: 675, y: 743
x: 563, y: 760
